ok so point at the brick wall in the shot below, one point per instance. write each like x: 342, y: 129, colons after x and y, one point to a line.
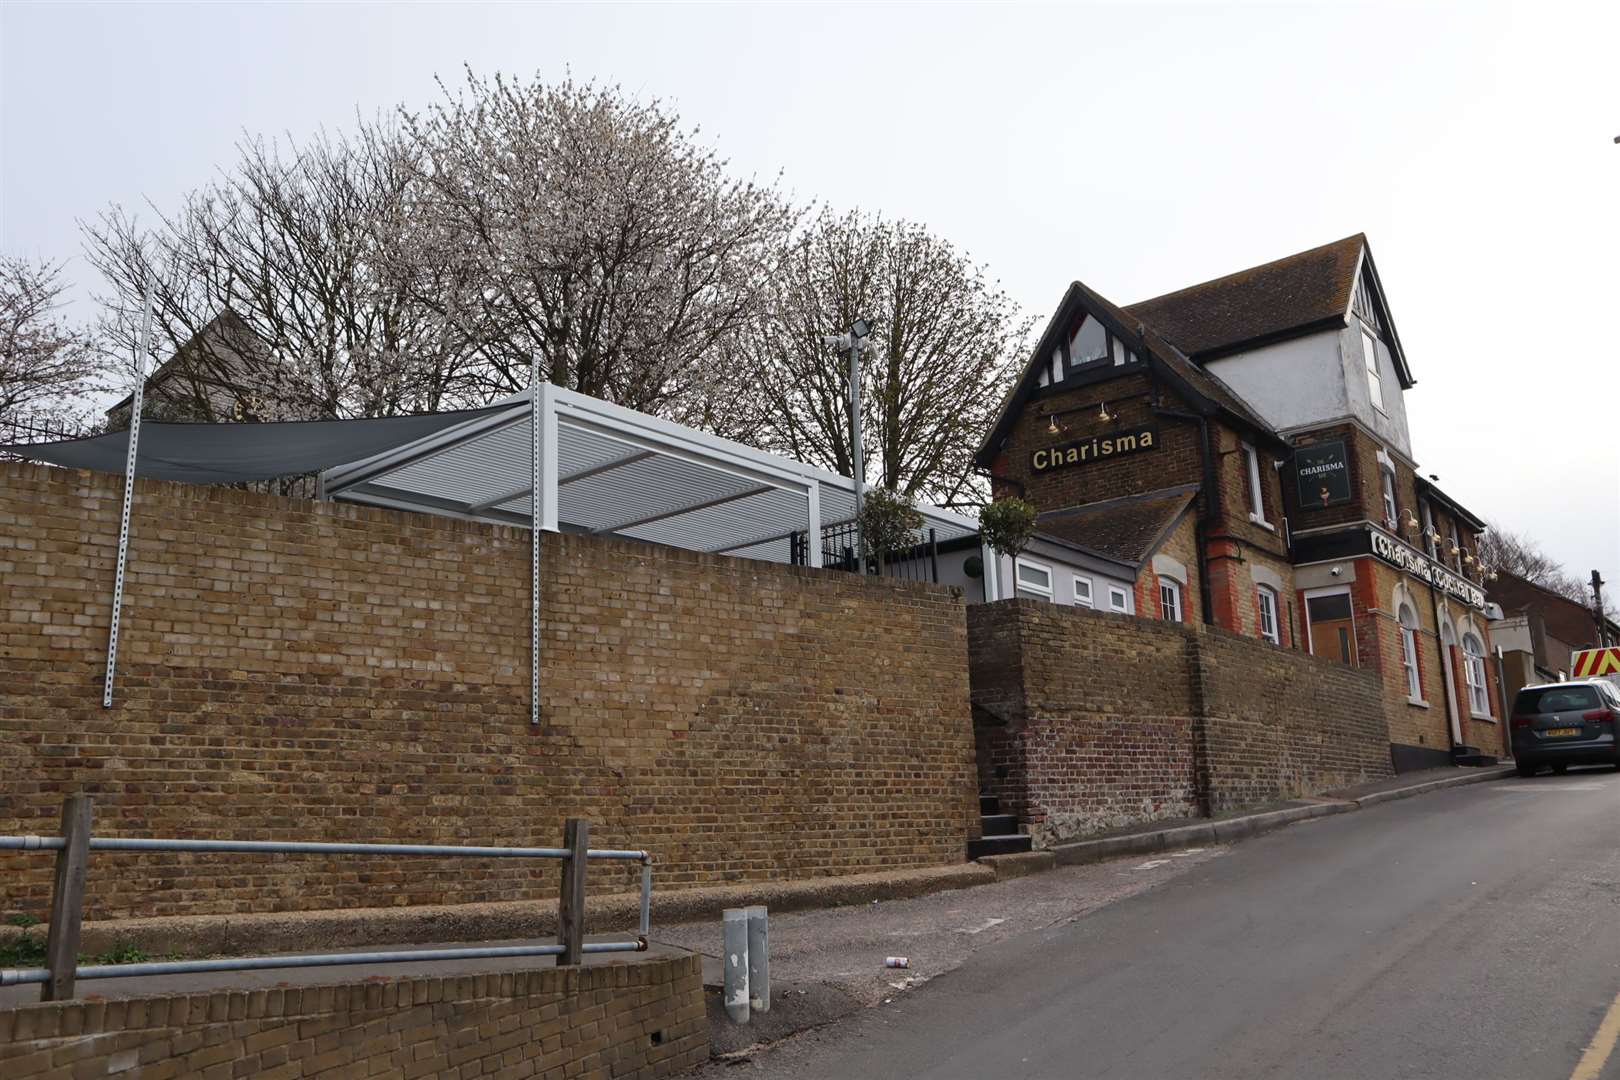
x: 301, y: 670
x: 641, y: 1020
x: 1096, y: 729
x: 1280, y: 723
x: 1087, y: 721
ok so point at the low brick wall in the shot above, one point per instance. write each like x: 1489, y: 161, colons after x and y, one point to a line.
x: 294, y: 670
x: 1086, y: 721
x: 642, y: 1019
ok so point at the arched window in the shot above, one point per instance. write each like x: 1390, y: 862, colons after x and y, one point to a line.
x: 1268, y: 614
x: 1170, y: 600
x: 1474, y: 673
x: 1409, y: 652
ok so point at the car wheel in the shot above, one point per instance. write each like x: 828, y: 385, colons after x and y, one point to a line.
x: 1525, y: 768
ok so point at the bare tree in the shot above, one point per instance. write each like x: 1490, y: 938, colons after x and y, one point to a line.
x: 946, y: 342
x: 601, y: 237
x: 296, y: 250
x: 47, y: 366
x: 1522, y: 556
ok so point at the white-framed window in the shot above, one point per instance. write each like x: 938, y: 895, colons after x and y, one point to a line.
x: 1268, y: 614
x: 1386, y: 477
x: 1257, y: 500
x: 1169, y: 600
x: 1033, y: 580
x: 1431, y: 538
x: 1119, y: 599
x: 1409, y: 653
x: 1369, y: 358
x: 1082, y: 591
x: 1479, y: 702
x: 1089, y: 344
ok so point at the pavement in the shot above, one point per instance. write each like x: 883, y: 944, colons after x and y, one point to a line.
x: 1473, y: 932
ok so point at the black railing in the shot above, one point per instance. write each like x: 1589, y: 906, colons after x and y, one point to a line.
x: 915, y: 562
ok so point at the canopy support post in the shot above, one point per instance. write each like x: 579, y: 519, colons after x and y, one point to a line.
x: 129, y: 493
x: 812, y: 534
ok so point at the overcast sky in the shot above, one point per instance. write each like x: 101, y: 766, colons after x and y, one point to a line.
x: 1139, y: 148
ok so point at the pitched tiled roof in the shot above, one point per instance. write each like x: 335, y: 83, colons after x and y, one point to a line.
x: 1129, y: 529
x: 1267, y: 302
x: 1564, y: 619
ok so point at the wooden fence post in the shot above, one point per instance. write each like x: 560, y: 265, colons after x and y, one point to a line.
x: 571, y: 903
x: 67, y: 900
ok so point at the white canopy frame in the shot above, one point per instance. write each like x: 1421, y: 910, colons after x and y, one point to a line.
x: 599, y: 468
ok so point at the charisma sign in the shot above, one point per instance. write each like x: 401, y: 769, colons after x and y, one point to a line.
x: 1096, y: 448
x: 1322, y: 471
x: 1420, y: 566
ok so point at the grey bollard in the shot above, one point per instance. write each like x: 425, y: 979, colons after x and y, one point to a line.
x: 759, y: 960
x: 734, y: 959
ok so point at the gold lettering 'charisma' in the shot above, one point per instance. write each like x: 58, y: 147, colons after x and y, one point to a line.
x: 1085, y: 451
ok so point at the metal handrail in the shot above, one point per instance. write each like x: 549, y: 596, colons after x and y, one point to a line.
x: 73, y: 848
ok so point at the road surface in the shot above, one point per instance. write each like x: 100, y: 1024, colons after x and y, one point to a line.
x: 1470, y: 933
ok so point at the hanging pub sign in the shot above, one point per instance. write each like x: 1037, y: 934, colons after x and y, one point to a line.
x: 1420, y: 566
x: 1096, y: 448
x: 1323, y: 473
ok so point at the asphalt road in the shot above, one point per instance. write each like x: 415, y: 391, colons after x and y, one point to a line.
x: 1471, y: 933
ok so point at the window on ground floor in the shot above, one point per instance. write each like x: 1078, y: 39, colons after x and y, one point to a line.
x: 1034, y: 580
x: 1474, y: 674
x: 1409, y: 653
x: 1268, y: 615
x: 1169, y: 600
x: 1082, y: 591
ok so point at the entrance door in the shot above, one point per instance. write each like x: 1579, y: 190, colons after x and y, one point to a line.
x: 1448, y: 642
x: 1332, y: 627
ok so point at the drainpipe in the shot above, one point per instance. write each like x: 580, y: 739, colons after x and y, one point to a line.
x: 1201, y: 526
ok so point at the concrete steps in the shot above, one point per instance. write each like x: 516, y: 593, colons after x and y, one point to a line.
x: 999, y: 832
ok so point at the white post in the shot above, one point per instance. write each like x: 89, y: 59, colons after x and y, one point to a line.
x: 129, y: 494
x: 734, y: 962
x: 534, y: 538
x: 759, y: 960
x: 545, y: 478
x: 812, y: 533
x: 858, y: 465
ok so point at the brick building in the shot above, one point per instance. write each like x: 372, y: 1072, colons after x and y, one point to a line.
x: 1540, y: 631
x: 1242, y: 445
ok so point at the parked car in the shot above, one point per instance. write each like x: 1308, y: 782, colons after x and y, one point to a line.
x: 1564, y: 724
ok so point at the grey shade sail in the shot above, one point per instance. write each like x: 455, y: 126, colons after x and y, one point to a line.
x: 236, y: 453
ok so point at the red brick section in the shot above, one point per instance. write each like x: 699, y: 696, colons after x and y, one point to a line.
x: 638, y: 1020
x: 300, y: 670
x: 1087, y: 721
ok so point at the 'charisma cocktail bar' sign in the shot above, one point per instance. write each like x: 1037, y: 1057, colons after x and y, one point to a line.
x: 1096, y: 448
x: 1420, y: 566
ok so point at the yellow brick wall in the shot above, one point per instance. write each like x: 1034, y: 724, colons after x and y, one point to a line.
x: 637, y: 1020
x: 299, y: 670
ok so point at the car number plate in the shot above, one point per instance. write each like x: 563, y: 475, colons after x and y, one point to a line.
x: 1553, y: 732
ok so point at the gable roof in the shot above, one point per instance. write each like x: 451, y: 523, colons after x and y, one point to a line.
x: 1265, y: 302
x: 1128, y: 529
x: 1203, y: 391
x: 228, y: 327
x: 1286, y: 298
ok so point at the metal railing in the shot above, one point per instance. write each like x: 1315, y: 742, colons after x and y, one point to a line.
x: 914, y: 562
x: 73, y: 848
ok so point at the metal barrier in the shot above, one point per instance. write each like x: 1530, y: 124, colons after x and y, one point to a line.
x: 73, y: 848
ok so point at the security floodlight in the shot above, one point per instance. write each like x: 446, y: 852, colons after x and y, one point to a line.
x: 861, y: 328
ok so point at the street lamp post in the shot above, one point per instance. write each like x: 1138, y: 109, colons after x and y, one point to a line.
x: 855, y: 341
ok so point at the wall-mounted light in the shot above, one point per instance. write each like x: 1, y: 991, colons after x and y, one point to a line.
x: 1410, y: 520
x: 1104, y: 415
x: 1052, y: 424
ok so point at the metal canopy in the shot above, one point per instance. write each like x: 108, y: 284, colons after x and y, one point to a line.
x: 610, y: 470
